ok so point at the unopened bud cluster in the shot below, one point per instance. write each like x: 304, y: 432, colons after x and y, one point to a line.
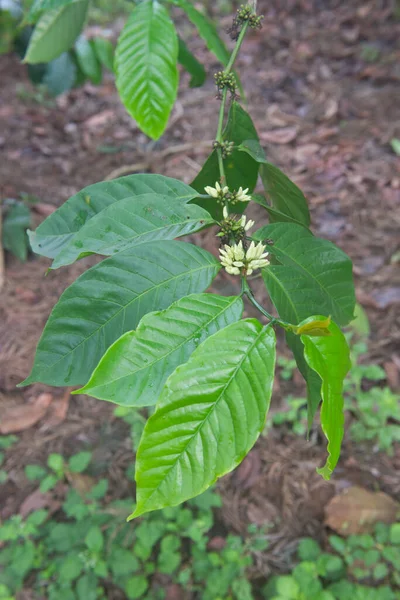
x: 223, y: 195
x: 226, y: 148
x: 234, y: 228
x: 225, y: 81
x: 245, y: 14
x: 236, y: 260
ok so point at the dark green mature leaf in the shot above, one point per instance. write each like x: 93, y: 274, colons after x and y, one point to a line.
x: 284, y: 195
x: 60, y: 74
x: 190, y: 63
x: 146, y: 66
x: 312, y: 379
x: 110, y: 299
x: 240, y: 169
x: 134, y: 369
x: 58, y: 229
x: 275, y: 216
x: 254, y: 149
x: 87, y: 60
x: 206, y: 29
x: 56, y: 31
x: 315, y: 275
x: 330, y: 358
x: 16, y: 222
x: 208, y: 417
x: 131, y: 222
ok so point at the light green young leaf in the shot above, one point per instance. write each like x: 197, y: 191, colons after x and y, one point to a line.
x: 146, y: 66
x: 314, y: 277
x: 135, y: 368
x: 79, y: 462
x: 94, y: 539
x: 241, y: 169
x: 56, y: 31
x: 87, y: 60
x: 206, y: 29
x: 59, y: 228
x: 133, y: 221
x: 110, y: 299
x: 190, y: 63
x: 284, y: 195
x: 208, y: 417
x: 330, y: 358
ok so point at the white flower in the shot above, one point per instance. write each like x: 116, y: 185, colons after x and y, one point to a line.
x: 225, y: 213
x: 234, y: 258
x: 218, y: 191
x: 248, y: 225
x: 242, y: 196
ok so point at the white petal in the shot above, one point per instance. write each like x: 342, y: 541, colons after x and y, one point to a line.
x: 217, y: 186
x: 249, y: 225
x: 251, y: 251
x: 249, y: 271
x: 238, y: 263
x: 225, y: 212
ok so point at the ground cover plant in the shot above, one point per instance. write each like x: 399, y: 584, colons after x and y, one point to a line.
x: 139, y: 328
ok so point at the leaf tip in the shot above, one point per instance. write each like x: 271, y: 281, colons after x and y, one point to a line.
x: 325, y: 472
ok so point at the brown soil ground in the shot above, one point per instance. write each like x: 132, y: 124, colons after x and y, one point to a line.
x: 326, y: 114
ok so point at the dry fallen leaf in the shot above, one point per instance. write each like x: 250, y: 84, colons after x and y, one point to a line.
x: 100, y: 119
x: 80, y: 482
x: 285, y: 135
x: 356, y: 510
x: 18, y: 418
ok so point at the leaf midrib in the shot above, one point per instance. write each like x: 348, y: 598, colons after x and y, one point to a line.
x: 213, y: 407
x: 148, y: 365
x: 210, y: 265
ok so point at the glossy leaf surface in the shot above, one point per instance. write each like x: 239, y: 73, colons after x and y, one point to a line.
x: 110, y: 299
x: 330, y: 358
x: 59, y: 228
x: 87, y: 60
x: 56, y: 31
x: 134, y: 369
x: 315, y: 275
x: 208, y: 417
x: 133, y: 221
x: 241, y: 170
x: 39, y: 6
x: 284, y: 195
x: 146, y: 66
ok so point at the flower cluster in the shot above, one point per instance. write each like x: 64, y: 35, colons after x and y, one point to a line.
x: 223, y: 195
x: 226, y: 148
x: 245, y: 14
x: 225, y: 81
x: 237, y: 260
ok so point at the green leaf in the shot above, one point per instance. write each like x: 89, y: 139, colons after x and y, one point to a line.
x: 135, y: 368
x: 48, y: 483
x: 59, y: 228
x: 16, y: 222
x: 190, y: 63
x: 206, y: 29
x: 110, y: 299
x: 33, y: 472
x: 284, y: 195
x: 312, y: 379
x: 94, y: 539
x: 56, y: 463
x: 40, y: 6
x: 314, y: 277
x: 60, y: 75
x: 275, y: 216
x: 87, y: 59
x: 79, y: 462
x: 394, y: 534
x: 70, y: 568
x: 136, y: 586
x: 330, y: 358
x: 86, y: 587
x: 395, y: 143
x: 146, y: 66
x: 131, y: 222
x: 104, y: 51
x: 253, y: 149
x: 56, y: 31
x: 216, y: 406
x: 240, y: 169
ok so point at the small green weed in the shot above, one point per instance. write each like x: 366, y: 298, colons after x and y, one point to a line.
x: 343, y: 573
x: 91, y: 546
